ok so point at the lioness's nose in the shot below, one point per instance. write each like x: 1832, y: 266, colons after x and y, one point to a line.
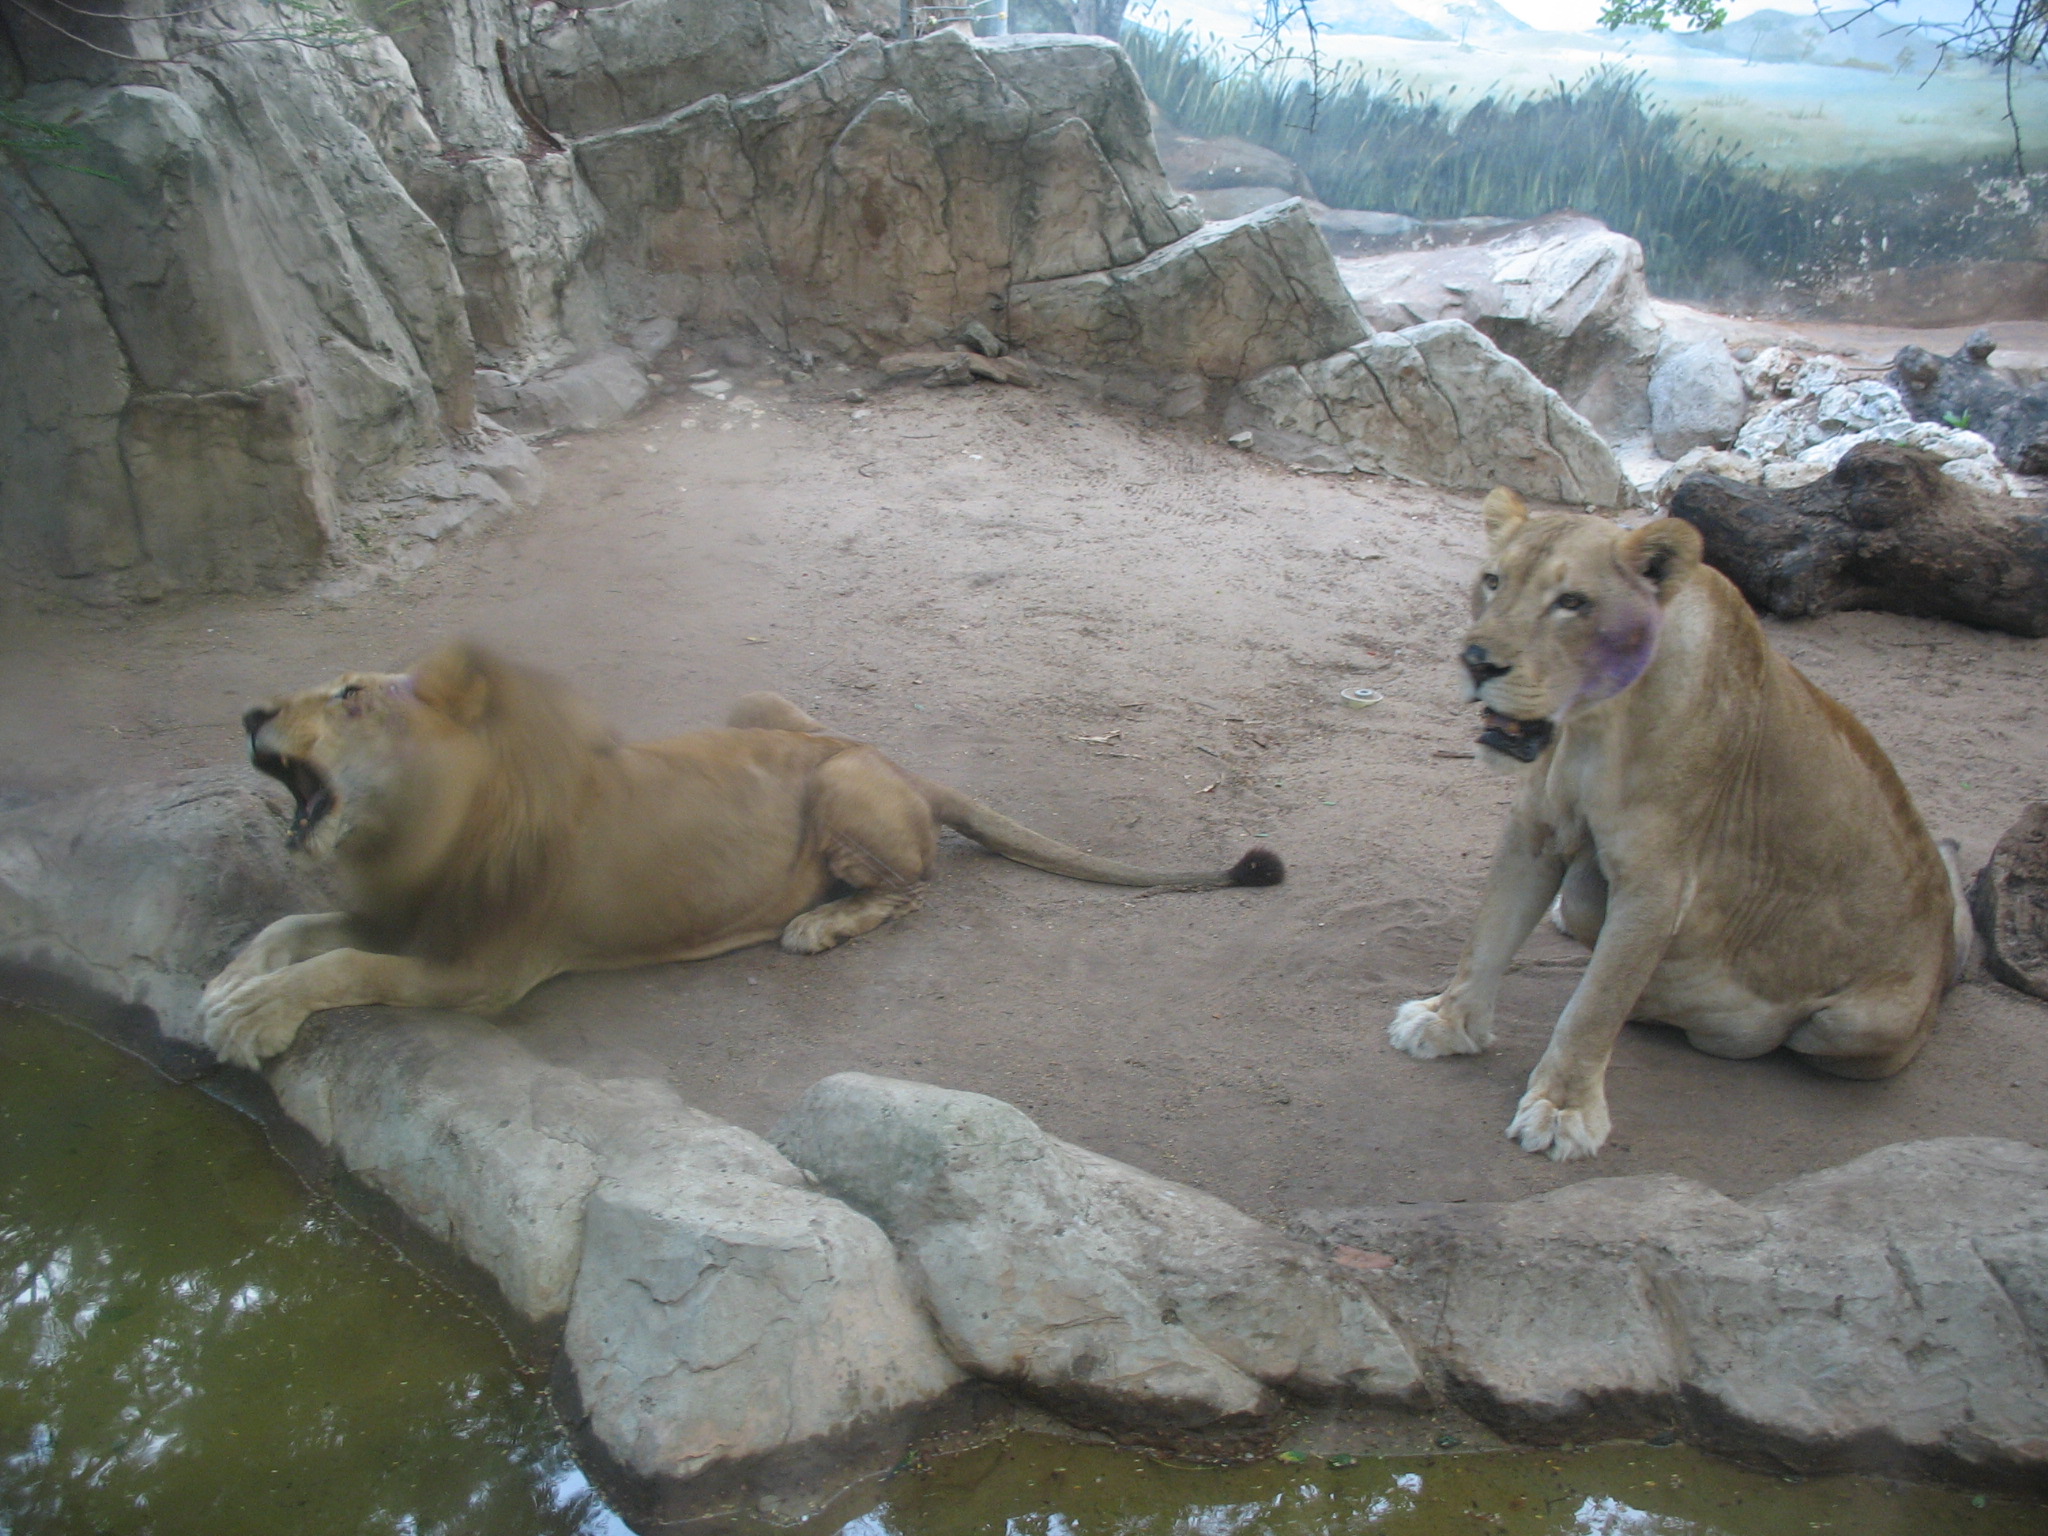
x: 1481, y: 666
x: 254, y: 720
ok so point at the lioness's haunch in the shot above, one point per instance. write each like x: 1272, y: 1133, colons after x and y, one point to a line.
x: 489, y: 833
x: 1730, y: 840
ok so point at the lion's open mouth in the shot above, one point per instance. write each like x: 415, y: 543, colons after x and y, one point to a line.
x: 313, y: 795
x: 1523, y: 740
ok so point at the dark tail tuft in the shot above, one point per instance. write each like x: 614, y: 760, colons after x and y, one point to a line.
x: 1261, y: 866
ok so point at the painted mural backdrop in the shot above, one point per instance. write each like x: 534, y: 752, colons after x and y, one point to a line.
x: 1776, y: 159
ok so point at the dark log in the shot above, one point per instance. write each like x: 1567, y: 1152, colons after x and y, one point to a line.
x: 1886, y: 530
x: 2010, y: 902
x: 1965, y: 391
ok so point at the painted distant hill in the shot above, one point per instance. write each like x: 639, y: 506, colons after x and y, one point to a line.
x: 1852, y: 38
x: 1424, y: 21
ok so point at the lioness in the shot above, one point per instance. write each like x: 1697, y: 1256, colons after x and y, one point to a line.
x: 489, y: 834
x: 1733, y: 844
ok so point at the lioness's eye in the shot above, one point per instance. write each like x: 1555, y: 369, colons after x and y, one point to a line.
x: 1490, y: 581
x: 350, y: 691
x: 1572, y: 602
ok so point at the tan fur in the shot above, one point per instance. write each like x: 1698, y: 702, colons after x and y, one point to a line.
x: 489, y: 833
x: 1731, y: 841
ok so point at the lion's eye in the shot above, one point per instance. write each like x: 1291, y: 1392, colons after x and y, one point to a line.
x: 1572, y: 602
x: 350, y: 691
x: 1490, y: 581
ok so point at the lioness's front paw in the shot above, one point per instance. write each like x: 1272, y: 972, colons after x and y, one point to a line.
x: 250, y: 1020
x: 1567, y: 1134
x: 1426, y: 1028
x: 810, y: 933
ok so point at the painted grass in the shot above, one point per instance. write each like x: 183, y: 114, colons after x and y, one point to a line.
x: 1712, y: 223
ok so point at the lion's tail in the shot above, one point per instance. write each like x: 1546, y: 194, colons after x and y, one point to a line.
x: 1013, y: 840
x: 1965, y: 923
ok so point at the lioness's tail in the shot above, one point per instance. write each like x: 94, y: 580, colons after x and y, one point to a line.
x: 1965, y: 920
x: 1013, y: 840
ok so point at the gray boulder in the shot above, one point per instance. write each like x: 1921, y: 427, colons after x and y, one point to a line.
x: 2009, y: 900
x: 587, y: 71
x: 1884, y: 1315
x: 1202, y: 165
x: 1112, y: 1294
x: 1696, y: 398
x: 1357, y: 231
x: 1235, y: 202
x: 591, y: 393
x: 1438, y: 404
x: 717, y: 1310
x: 1564, y: 294
x: 223, y: 346
x: 137, y: 895
x: 887, y: 198
x: 720, y: 1316
x: 503, y: 190
x: 1226, y: 303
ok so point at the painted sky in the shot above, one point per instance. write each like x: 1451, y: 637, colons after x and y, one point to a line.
x: 1577, y: 15
x: 1583, y: 15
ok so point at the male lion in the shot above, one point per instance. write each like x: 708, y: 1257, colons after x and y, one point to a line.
x: 489, y: 834
x: 1735, y: 847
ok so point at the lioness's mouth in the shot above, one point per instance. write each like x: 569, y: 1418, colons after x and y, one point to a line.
x: 313, y: 795
x: 1523, y: 740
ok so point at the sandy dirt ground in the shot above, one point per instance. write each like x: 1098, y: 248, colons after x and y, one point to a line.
x: 1133, y: 637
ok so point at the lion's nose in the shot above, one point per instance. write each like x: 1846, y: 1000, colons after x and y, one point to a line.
x: 254, y: 720
x: 1482, y: 668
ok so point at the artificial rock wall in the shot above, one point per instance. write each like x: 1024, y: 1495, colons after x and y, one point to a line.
x: 245, y: 291
x: 254, y: 292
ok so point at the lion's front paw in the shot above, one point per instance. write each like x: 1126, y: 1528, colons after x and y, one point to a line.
x: 250, y: 1019
x: 1428, y: 1027
x: 1565, y: 1132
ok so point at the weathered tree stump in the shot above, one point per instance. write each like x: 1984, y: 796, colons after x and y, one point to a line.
x: 2010, y: 902
x: 1965, y: 391
x: 1886, y: 530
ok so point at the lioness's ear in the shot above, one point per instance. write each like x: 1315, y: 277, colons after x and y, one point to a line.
x: 456, y: 680
x: 1664, y: 552
x: 1505, y: 512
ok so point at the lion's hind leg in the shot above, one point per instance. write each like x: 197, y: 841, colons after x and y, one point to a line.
x: 770, y: 712
x: 1581, y: 905
x: 876, y: 834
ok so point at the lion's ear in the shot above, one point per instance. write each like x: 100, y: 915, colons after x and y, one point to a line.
x: 1664, y: 552
x: 456, y: 680
x: 1505, y: 512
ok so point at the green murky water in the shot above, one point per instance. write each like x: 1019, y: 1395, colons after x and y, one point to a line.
x: 189, y: 1343
x: 1030, y: 1486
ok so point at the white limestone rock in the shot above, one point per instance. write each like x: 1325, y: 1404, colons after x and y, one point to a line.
x: 1438, y: 404
x: 717, y: 1310
x: 1107, y: 1292
x: 1696, y: 398
x: 1705, y: 461
x: 1226, y: 303
x: 1564, y: 294
x: 888, y: 197
x: 720, y: 1316
x: 1887, y: 1314
x: 590, y: 393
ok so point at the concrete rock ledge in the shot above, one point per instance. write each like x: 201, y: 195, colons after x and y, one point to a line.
x: 1892, y: 1312
x: 1113, y: 1296
x: 745, y: 1326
